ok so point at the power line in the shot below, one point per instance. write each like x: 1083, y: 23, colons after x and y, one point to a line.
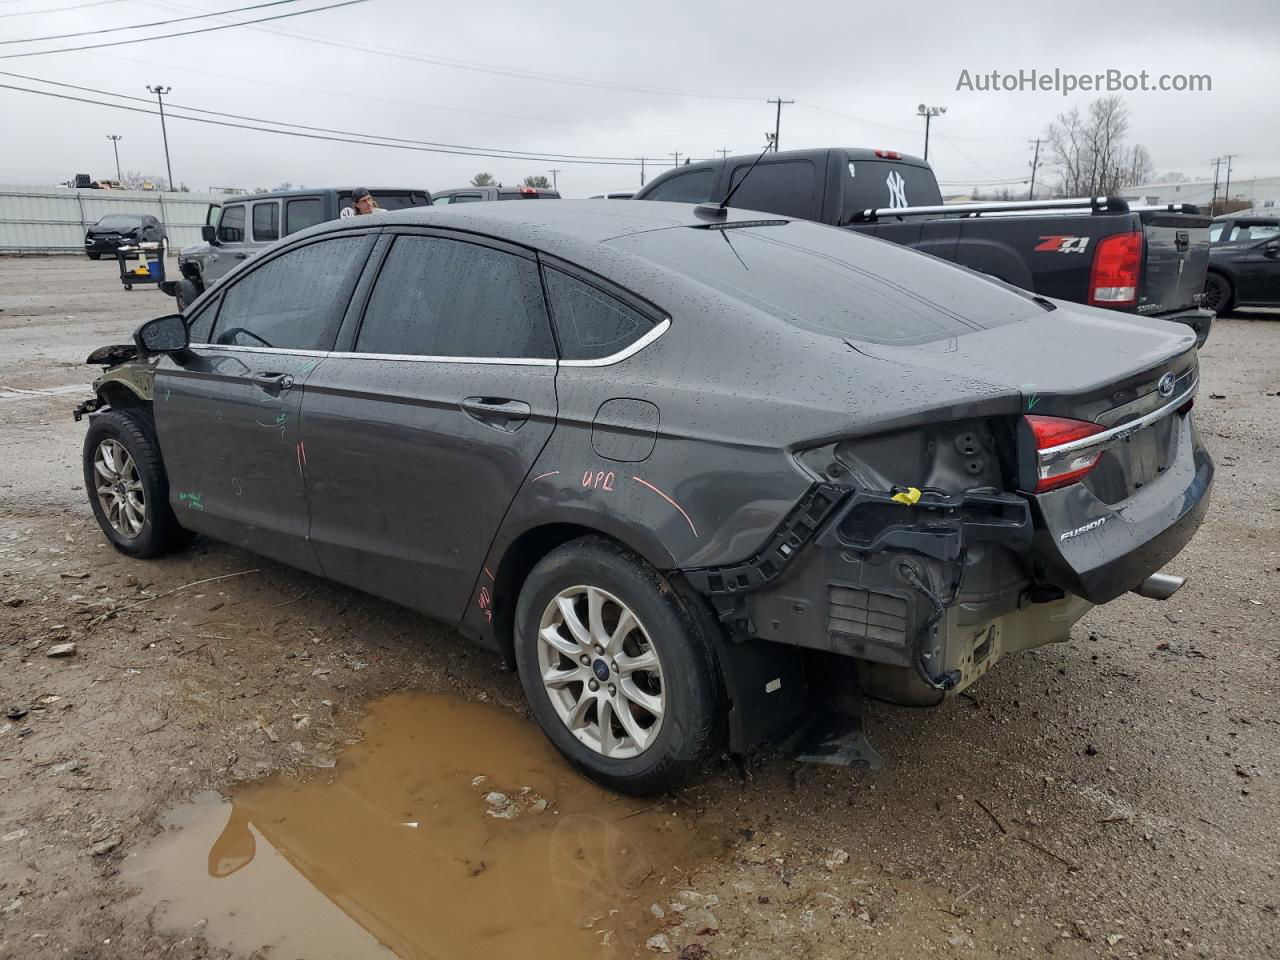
x: 186, y: 33
x: 537, y: 75
x: 78, y: 6
x: 154, y: 23
x: 494, y: 152
x: 316, y: 136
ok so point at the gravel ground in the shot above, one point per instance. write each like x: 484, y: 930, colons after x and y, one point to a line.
x: 1114, y: 796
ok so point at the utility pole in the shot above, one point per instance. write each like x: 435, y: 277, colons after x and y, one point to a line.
x: 777, y: 120
x: 724, y: 152
x: 928, y: 113
x: 677, y: 156
x: 642, y: 171
x: 115, y: 145
x: 554, y: 181
x: 1035, y: 162
x: 160, y: 91
x: 1226, y: 193
x: 1213, y: 204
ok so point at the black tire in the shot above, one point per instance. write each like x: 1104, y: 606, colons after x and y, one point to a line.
x: 185, y: 292
x: 160, y: 531
x: 680, y: 634
x: 1219, y: 294
x: 94, y: 256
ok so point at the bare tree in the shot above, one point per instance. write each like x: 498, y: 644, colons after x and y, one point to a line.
x: 1173, y: 176
x: 1089, y: 151
x: 133, y: 180
x: 482, y: 180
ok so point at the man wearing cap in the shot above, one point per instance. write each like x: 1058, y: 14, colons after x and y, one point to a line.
x: 362, y: 203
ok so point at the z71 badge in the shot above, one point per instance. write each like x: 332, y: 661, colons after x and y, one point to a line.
x: 1062, y: 245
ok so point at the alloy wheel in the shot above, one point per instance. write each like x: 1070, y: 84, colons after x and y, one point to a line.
x: 601, y: 672
x: 119, y: 488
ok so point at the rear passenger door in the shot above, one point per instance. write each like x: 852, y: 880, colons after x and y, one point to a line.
x: 423, y: 424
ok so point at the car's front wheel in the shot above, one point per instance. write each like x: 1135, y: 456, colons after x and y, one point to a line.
x: 1218, y: 294
x: 93, y: 256
x: 127, y: 486
x: 618, y: 669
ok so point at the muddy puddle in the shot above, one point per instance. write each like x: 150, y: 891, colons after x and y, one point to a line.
x: 452, y: 831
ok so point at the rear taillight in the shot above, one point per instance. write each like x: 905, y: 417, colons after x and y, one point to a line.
x: 1058, y: 462
x: 1113, y: 282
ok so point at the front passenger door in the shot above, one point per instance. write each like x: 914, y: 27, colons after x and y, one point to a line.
x: 227, y: 412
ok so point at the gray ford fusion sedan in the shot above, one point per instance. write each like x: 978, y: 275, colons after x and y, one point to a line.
x: 701, y: 477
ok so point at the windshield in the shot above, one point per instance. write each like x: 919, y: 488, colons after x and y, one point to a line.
x: 835, y: 282
x: 119, y: 222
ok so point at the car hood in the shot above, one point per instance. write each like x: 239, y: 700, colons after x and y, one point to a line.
x: 195, y: 251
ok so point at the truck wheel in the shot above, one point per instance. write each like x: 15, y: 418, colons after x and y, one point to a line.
x: 93, y: 256
x: 185, y: 292
x: 1219, y: 295
x: 127, y: 486
x: 619, y: 672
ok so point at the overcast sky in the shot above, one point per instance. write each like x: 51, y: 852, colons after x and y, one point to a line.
x: 857, y: 71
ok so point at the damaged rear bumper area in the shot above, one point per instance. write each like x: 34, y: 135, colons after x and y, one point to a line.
x: 929, y: 591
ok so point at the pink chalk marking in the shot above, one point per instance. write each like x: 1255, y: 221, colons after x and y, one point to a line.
x: 670, y: 501
x: 302, y: 456
x: 543, y: 476
x: 488, y: 574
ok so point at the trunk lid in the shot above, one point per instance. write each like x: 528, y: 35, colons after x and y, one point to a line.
x: 1104, y: 534
x: 1175, y: 262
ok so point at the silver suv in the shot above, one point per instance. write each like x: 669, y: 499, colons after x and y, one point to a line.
x: 243, y: 226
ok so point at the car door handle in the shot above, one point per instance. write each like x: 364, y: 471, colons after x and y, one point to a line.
x: 242, y: 256
x: 497, y: 412
x: 272, y: 382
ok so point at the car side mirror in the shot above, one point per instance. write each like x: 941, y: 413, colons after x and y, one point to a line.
x: 163, y: 335
x: 1272, y: 249
x: 209, y: 233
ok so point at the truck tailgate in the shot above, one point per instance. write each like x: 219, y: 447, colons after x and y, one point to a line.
x: 1176, y: 260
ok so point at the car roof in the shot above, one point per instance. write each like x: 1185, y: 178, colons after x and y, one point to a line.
x: 569, y: 223
x: 312, y: 191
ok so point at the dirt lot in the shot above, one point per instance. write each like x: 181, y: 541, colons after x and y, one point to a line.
x: 1115, y: 796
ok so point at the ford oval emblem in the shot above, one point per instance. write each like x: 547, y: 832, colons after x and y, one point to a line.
x: 1165, y: 386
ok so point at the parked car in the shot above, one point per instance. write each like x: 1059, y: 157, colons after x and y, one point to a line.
x: 115, y: 229
x: 1092, y: 250
x: 246, y: 226
x: 1244, y: 263
x: 677, y: 470
x: 614, y: 195
x: 477, y: 194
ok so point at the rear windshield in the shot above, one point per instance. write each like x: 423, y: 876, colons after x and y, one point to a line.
x: 119, y: 222
x: 884, y: 183
x: 835, y: 282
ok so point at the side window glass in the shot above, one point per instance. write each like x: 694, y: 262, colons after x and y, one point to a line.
x: 692, y: 187
x: 201, y: 325
x: 590, y: 323
x: 295, y: 301
x: 300, y: 214
x: 440, y: 201
x: 231, y: 226
x: 436, y: 297
x: 266, y: 221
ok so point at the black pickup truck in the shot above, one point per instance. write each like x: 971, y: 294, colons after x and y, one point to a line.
x: 1098, y: 250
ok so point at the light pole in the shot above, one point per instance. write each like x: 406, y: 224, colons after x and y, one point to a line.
x: 160, y: 91
x: 928, y: 113
x: 555, y: 183
x: 115, y: 145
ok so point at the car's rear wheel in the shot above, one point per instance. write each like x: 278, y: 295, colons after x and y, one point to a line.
x: 620, y: 673
x: 94, y: 256
x: 127, y: 486
x: 1218, y: 294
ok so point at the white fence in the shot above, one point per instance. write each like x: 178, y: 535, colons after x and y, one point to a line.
x: 54, y: 219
